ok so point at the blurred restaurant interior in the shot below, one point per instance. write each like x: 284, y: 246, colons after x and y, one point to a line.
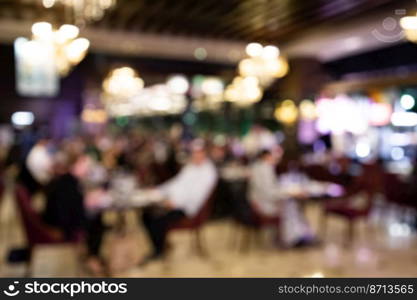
x: 235, y: 138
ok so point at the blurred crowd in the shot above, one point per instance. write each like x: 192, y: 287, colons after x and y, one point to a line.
x: 75, y: 175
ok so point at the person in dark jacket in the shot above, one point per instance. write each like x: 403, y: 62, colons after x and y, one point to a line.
x: 64, y: 200
x: 65, y: 209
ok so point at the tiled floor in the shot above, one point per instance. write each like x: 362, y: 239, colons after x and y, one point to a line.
x: 374, y: 253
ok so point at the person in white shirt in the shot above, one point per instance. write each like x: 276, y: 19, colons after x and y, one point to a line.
x: 264, y: 192
x: 269, y: 199
x: 39, y: 162
x: 185, y: 195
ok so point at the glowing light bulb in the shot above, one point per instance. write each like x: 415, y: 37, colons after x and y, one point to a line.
x: 286, y: 112
x: 212, y: 86
x: 254, y: 49
x: 270, y: 52
x: 308, y: 110
x: 48, y: 3
x: 22, y: 118
x: 178, y: 84
x: 363, y: 149
x: 409, y: 23
x: 76, y: 50
x: 42, y: 30
x: 68, y: 32
x: 407, y: 101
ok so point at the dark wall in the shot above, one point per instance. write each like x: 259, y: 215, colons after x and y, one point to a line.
x: 402, y: 55
x: 44, y: 108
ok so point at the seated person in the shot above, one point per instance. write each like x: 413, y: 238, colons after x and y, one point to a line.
x: 36, y: 170
x: 264, y: 193
x: 269, y: 200
x: 65, y: 210
x: 185, y: 194
x: 64, y: 199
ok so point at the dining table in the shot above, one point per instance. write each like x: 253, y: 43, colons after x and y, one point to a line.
x: 120, y: 196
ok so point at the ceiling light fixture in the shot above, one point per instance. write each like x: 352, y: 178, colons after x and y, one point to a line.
x: 83, y: 11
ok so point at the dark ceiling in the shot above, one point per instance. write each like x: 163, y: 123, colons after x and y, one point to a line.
x: 239, y: 20
x: 246, y: 20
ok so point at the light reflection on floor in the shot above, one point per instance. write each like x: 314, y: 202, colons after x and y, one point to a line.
x: 374, y: 253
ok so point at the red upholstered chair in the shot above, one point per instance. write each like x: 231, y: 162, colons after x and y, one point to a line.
x: 400, y: 194
x: 343, y: 208
x: 320, y: 173
x: 248, y: 221
x: 395, y: 190
x: 36, y: 231
x: 253, y: 230
x: 194, y: 224
x: 262, y: 220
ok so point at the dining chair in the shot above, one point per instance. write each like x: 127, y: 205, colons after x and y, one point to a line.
x: 36, y: 231
x: 195, y: 223
x: 399, y: 194
x: 248, y: 221
x: 395, y: 190
x: 253, y: 230
x: 344, y: 208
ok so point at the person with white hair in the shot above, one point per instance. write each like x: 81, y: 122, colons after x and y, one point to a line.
x: 185, y: 195
x: 269, y: 199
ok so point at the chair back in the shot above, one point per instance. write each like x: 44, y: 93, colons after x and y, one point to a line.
x: 205, y: 211
x: 200, y: 218
x: 35, y: 230
x: 395, y: 191
x: 347, y: 205
x: 241, y: 207
x: 320, y: 173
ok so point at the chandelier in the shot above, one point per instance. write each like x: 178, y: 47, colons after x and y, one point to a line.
x: 119, y: 87
x: 124, y: 94
x: 46, y: 56
x: 68, y: 49
x: 83, y: 10
x: 409, y: 25
x: 263, y: 65
x: 64, y: 47
x: 121, y: 84
x: 243, y: 91
x: 207, y: 93
x: 286, y: 112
